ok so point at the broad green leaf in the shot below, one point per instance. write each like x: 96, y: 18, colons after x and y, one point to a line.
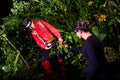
x: 102, y: 36
x: 95, y: 31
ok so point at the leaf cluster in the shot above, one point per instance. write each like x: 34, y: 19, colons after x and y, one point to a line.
x: 19, y: 52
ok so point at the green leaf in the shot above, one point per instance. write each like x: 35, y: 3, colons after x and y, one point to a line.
x: 117, y: 19
x: 99, y: 35
x: 95, y: 31
x: 75, y: 37
x: 16, y: 59
x: 66, y: 50
x: 102, y: 36
x: 114, y: 5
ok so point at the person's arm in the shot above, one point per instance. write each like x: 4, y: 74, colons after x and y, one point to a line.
x: 73, y: 48
x: 77, y: 49
x: 53, y: 30
x: 40, y: 42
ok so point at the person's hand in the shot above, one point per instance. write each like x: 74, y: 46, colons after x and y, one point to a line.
x: 66, y: 46
x: 60, y: 41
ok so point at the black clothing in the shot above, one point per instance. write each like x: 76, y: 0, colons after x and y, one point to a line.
x: 45, y: 53
x: 93, y: 52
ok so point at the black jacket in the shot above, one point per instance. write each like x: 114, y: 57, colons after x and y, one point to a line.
x: 92, y: 50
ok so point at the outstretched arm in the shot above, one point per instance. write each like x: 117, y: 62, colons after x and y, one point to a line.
x: 73, y: 48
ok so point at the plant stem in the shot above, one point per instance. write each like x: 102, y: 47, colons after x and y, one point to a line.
x: 18, y: 52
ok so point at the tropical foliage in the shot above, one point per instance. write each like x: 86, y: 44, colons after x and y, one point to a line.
x: 20, y: 55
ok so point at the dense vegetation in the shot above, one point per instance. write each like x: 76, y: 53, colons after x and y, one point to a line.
x: 19, y: 54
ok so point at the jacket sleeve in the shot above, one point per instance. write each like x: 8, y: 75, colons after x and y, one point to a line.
x: 76, y: 49
x: 39, y: 41
x: 51, y: 28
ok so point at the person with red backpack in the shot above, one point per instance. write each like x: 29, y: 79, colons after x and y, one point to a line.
x: 45, y: 36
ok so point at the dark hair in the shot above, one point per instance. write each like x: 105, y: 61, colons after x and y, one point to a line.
x: 81, y: 25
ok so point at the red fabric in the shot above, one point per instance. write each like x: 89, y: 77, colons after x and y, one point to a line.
x: 62, y: 67
x: 60, y: 60
x: 46, y: 66
x: 42, y: 34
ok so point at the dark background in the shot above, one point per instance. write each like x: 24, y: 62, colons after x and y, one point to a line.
x: 5, y: 6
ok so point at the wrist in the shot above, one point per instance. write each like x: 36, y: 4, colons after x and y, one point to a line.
x: 60, y: 39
